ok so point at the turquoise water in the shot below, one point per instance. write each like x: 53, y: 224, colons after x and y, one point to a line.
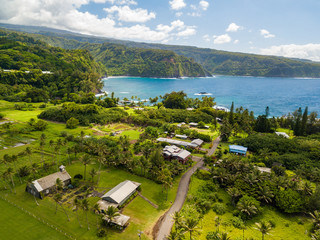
x: 282, y: 95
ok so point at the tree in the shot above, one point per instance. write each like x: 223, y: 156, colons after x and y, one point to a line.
x: 225, y: 130
x: 249, y: 206
x: 96, y: 209
x: 28, y: 152
x: 176, y: 235
x: 297, y: 127
x: 178, y: 219
x: 10, y: 173
x: 72, y: 123
x: 262, y: 124
x: 231, y: 117
x: 175, y: 100
x: 77, y: 204
x: 234, y: 194
x: 190, y: 226
x: 93, y: 173
x: 304, y: 122
x: 265, y: 194
x: 315, y: 219
x: 111, y: 213
x: 315, y: 235
x: 85, y: 207
x: 57, y: 198
x: 289, y: 201
x: 264, y: 227
x: 85, y: 159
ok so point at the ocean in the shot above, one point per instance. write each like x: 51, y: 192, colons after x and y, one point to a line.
x: 282, y: 95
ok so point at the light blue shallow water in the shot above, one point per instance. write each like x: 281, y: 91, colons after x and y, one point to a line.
x: 282, y: 95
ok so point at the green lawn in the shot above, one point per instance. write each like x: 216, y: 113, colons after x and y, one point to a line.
x: 16, y: 224
x: 132, y: 134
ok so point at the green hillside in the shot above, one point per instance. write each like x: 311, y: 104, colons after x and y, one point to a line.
x: 213, y: 61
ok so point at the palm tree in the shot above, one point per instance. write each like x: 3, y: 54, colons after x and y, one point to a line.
x: 176, y: 235
x: 315, y: 235
x: 246, y: 206
x: 9, y: 173
x: 307, y: 189
x: 265, y: 194
x: 59, y: 184
x: 235, y: 194
x: 190, y: 226
x: 69, y: 151
x: 85, y: 207
x: 93, y: 173
x: 57, y: 198
x: 42, y: 144
x: 96, y: 210
x: 33, y: 169
x: 218, y: 222
x: 14, y: 159
x: 264, y: 228
x: 77, y: 204
x: 178, y: 219
x: 111, y: 213
x: 316, y: 219
x: 85, y: 159
x: 28, y: 152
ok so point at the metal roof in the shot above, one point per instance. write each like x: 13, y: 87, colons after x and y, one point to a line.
x: 197, y: 141
x: 121, y: 191
x: 238, y: 148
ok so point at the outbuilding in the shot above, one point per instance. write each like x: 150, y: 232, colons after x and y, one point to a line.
x: 238, y: 149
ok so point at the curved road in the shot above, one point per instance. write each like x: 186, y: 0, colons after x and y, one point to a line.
x: 165, y: 222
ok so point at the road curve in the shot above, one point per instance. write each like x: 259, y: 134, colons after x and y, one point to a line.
x: 165, y: 222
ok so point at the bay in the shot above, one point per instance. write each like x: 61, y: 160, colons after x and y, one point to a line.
x: 282, y: 95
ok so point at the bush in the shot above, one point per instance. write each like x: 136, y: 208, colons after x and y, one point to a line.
x: 219, y: 208
x: 272, y: 223
x: 72, y: 123
x: 78, y: 176
x: 1, y: 115
x: 101, y: 233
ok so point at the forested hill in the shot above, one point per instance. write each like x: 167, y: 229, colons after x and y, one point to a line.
x: 121, y: 60
x: 213, y: 61
x: 70, y: 71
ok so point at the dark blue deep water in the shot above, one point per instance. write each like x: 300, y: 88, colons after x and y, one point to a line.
x: 282, y: 95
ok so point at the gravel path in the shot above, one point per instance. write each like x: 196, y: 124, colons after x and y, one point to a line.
x: 165, y: 223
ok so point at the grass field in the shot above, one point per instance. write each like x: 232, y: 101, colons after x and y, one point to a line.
x: 16, y: 225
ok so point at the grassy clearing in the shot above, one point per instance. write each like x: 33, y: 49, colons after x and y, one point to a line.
x: 16, y: 224
x: 132, y: 134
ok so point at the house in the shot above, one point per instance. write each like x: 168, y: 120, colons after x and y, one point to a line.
x: 192, y: 124
x: 46, y: 185
x: 181, y: 136
x: 283, y: 134
x: 238, y: 149
x: 220, y: 108
x: 118, y: 195
x: 197, y: 142
x: 173, y: 152
x: 178, y: 143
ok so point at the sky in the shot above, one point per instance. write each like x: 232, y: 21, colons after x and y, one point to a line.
x: 287, y: 28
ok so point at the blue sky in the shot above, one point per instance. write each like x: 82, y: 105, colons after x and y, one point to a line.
x: 276, y: 27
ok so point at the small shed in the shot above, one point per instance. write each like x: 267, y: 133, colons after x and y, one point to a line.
x: 121, y: 193
x: 122, y: 220
x: 283, y: 134
x: 181, y: 136
x: 238, y: 149
x: 197, y: 142
x: 192, y: 124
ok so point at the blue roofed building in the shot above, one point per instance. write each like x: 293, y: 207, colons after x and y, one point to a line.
x: 238, y: 149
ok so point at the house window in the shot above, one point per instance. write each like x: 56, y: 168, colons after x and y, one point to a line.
x: 47, y: 191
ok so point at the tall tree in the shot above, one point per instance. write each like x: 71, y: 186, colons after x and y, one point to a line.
x: 297, y: 125
x: 304, y: 122
x: 85, y: 208
x: 57, y: 198
x: 111, y: 213
x: 190, y: 226
x: 85, y: 159
x: 77, y: 205
x: 231, y: 115
x: 264, y: 228
x: 96, y: 209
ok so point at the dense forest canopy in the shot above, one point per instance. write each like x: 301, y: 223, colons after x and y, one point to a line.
x: 39, y: 69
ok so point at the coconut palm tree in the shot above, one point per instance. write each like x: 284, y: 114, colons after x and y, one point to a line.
x: 85, y: 207
x: 235, y: 194
x: 111, y: 213
x: 57, y: 198
x: 264, y: 227
x: 178, y: 219
x: 77, y: 204
x: 96, y: 209
x: 190, y: 226
x: 218, y: 222
x: 85, y: 159
x: 59, y: 184
x: 10, y: 173
x: 248, y: 207
x: 178, y: 234
x: 93, y: 173
x: 42, y: 144
x: 28, y: 152
x: 34, y: 169
x: 315, y: 235
x: 316, y: 219
x: 265, y: 194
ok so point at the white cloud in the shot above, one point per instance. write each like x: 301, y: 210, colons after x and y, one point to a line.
x: 233, y: 27
x: 266, y: 34
x: 66, y: 15
x: 177, y: 4
x: 308, y: 51
x: 179, y: 14
x: 204, y: 5
x: 127, y: 14
x: 206, y: 38
x: 120, y: 2
x: 189, y: 31
x: 236, y: 41
x: 224, y: 38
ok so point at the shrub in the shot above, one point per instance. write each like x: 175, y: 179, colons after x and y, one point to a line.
x: 78, y: 176
x: 101, y: 233
x: 237, y: 222
x: 272, y: 223
x: 72, y: 123
x: 289, y: 201
x: 1, y: 115
x: 219, y: 208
